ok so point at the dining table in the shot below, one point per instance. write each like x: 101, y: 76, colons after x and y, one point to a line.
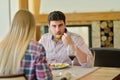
x: 80, y: 73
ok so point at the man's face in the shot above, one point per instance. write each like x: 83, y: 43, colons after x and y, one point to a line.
x: 57, y: 27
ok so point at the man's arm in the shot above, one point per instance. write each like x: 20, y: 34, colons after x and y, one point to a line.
x: 83, y: 54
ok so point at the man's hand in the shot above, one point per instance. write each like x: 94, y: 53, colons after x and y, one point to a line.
x: 66, y: 38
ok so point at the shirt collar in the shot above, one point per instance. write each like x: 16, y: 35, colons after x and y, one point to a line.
x: 52, y: 37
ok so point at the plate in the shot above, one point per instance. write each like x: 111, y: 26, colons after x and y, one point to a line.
x: 58, y: 65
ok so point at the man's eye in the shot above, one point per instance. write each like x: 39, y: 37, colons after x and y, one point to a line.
x: 60, y: 25
x: 54, y: 26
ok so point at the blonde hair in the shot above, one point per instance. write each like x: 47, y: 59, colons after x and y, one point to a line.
x: 14, y: 45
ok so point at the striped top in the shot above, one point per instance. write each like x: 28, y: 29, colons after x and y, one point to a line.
x: 57, y: 52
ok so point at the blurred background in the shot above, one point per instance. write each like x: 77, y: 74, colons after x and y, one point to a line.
x: 97, y: 21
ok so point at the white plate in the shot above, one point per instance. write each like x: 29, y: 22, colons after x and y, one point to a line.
x: 59, y: 65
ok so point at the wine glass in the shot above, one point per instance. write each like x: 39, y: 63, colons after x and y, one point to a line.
x: 71, y: 54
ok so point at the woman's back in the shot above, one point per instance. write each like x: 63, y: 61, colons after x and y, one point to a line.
x: 18, y: 53
x: 34, y: 63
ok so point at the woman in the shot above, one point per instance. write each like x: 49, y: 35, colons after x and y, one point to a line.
x: 19, y: 53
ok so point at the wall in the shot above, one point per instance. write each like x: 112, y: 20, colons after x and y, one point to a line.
x: 14, y: 4
x: 86, y: 6
x: 4, y: 17
x: 117, y: 34
x: 7, y: 11
x: 96, y: 34
x: 79, y: 5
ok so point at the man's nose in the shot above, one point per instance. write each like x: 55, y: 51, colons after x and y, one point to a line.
x: 57, y: 29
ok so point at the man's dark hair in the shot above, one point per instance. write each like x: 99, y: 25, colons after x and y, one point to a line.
x: 56, y: 15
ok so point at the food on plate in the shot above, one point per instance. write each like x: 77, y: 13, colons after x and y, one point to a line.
x: 59, y: 65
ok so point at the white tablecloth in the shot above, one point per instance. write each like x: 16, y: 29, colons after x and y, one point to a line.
x: 76, y: 72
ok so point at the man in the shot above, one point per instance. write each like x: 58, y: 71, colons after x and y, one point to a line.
x: 57, y: 40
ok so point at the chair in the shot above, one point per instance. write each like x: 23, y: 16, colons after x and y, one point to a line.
x: 106, y: 57
x: 13, y: 77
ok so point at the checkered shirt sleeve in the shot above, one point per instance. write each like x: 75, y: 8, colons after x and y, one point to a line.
x: 34, y: 63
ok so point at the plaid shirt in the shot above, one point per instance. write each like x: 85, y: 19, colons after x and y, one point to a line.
x: 34, y: 63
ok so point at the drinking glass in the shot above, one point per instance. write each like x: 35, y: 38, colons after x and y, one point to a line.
x: 71, y: 54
